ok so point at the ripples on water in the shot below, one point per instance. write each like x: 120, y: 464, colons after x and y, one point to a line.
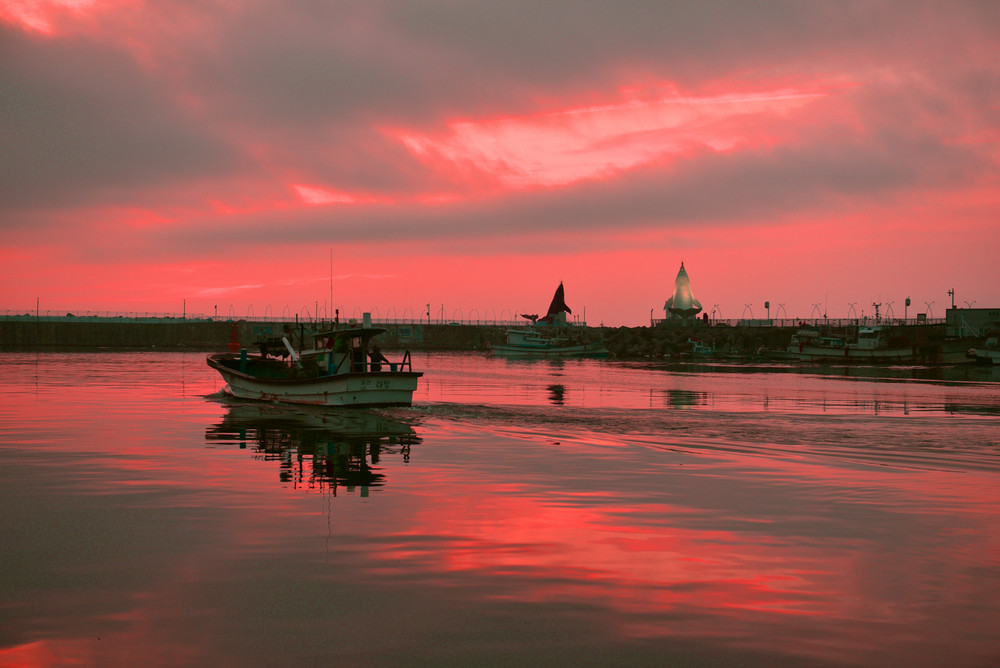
x: 520, y: 512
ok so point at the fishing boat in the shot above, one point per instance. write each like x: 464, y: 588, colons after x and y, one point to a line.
x: 339, y: 371
x: 532, y: 343
x: 558, y: 341
x: 988, y: 354
x: 871, y: 345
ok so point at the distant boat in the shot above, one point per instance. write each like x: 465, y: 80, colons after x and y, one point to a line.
x: 342, y: 374
x: 870, y: 346
x: 699, y: 349
x: 987, y: 354
x: 532, y: 343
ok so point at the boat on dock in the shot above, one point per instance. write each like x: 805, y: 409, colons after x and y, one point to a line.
x: 340, y: 371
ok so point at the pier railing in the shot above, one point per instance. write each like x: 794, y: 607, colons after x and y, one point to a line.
x: 802, y: 322
x: 151, y: 317
x: 148, y: 317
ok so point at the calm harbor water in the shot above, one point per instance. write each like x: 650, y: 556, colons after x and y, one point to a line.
x: 520, y: 513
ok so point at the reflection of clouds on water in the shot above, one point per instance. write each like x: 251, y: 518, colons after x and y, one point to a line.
x: 320, y: 449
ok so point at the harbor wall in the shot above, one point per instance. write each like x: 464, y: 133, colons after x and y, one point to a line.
x: 662, y: 341
x: 67, y: 334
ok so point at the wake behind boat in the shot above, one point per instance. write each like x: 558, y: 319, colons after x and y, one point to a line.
x: 343, y: 372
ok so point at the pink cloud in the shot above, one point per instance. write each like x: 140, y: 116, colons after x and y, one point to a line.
x: 595, y: 142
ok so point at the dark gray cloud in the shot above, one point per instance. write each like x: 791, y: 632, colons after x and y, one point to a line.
x: 83, y: 124
x: 225, y: 94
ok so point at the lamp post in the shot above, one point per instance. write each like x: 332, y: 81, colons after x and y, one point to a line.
x: 951, y: 293
x: 906, y: 306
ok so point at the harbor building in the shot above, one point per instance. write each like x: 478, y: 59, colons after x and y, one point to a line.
x: 972, y: 322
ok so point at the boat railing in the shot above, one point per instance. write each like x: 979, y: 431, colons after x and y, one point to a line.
x: 405, y: 364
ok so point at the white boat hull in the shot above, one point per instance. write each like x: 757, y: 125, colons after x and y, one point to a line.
x: 817, y: 354
x: 387, y: 388
x: 555, y: 351
x: 985, y: 356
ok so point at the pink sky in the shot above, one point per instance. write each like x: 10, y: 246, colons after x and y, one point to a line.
x: 160, y: 157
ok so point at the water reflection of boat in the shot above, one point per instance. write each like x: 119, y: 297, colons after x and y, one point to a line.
x: 318, y: 449
x: 342, y: 373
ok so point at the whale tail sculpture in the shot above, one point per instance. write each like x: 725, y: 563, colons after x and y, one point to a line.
x: 682, y: 304
x: 557, y: 309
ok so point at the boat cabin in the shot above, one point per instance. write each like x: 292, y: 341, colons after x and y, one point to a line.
x: 347, y: 351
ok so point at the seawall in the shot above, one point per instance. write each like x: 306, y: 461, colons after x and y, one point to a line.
x: 662, y: 341
x: 68, y: 334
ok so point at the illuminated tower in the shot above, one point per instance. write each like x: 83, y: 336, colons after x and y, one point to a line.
x: 682, y: 304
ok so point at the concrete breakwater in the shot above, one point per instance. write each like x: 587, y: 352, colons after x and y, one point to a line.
x: 662, y: 341
x: 68, y: 334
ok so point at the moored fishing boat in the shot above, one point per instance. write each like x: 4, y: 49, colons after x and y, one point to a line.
x: 986, y: 354
x: 563, y: 341
x: 532, y: 343
x: 871, y: 345
x: 342, y: 372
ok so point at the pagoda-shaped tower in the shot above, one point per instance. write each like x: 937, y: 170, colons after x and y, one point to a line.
x: 682, y: 304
